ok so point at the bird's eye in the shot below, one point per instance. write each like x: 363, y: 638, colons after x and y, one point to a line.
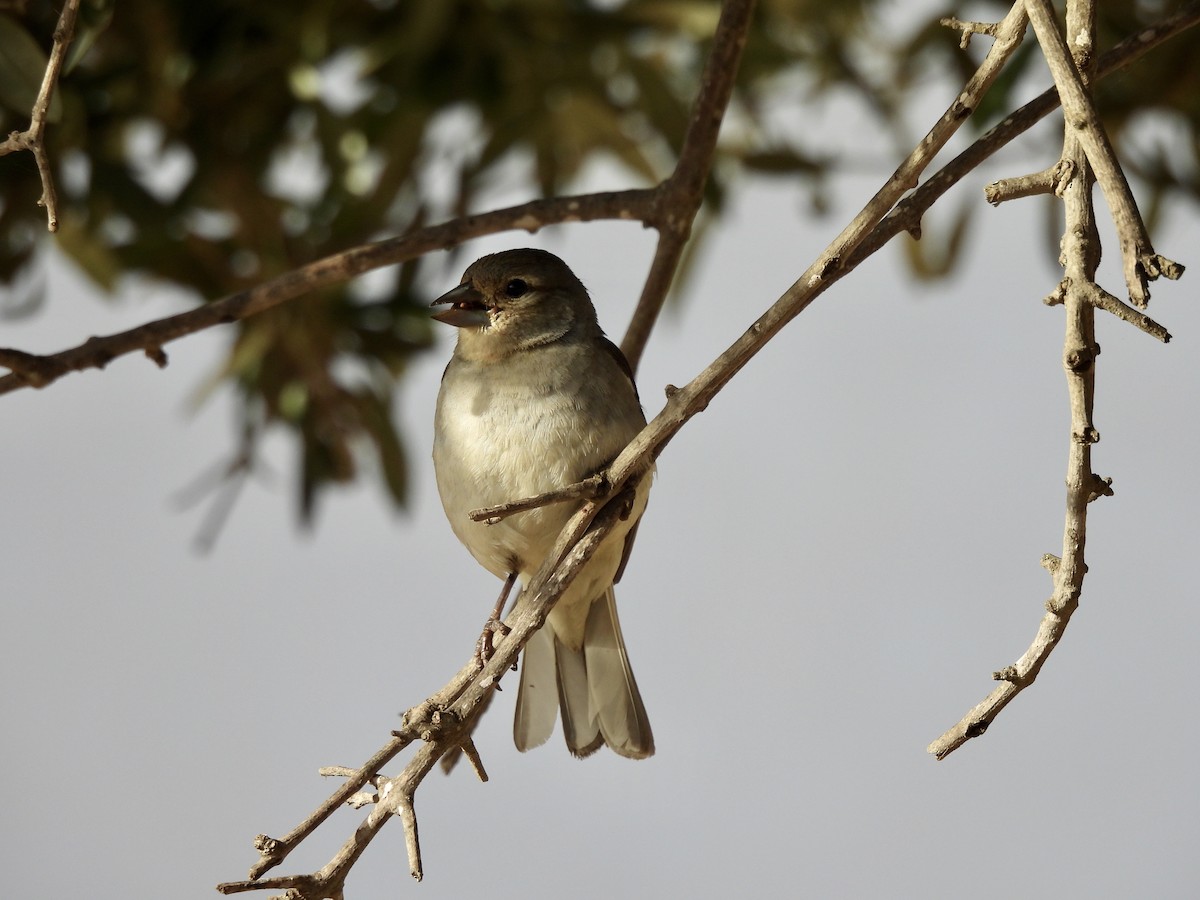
x: 516, y: 287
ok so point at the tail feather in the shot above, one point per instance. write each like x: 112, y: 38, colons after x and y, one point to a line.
x: 594, y: 686
x: 537, y: 696
x: 580, y: 728
x: 615, y: 702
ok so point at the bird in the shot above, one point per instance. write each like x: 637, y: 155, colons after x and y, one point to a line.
x: 535, y: 397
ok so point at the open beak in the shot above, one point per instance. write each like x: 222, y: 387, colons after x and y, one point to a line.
x: 467, y: 309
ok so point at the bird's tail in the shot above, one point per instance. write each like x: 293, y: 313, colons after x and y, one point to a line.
x: 593, y: 685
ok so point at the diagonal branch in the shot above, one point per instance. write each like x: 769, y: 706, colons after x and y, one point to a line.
x: 29, y: 370
x: 829, y: 267
x: 872, y: 227
x: 445, y: 721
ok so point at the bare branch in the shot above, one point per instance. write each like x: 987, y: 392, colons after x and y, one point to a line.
x: 1141, y: 263
x: 1102, y: 299
x: 29, y: 370
x: 1080, y: 295
x: 273, y: 851
x: 33, y: 137
x: 685, y: 402
x: 576, y: 543
x: 441, y: 724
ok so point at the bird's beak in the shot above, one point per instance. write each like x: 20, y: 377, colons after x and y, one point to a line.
x: 467, y: 309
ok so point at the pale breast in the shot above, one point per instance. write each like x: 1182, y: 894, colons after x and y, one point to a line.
x: 504, y: 432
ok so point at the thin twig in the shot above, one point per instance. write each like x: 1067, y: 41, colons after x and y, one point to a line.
x: 1047, y: 181
x: 273, y: 851
x: 968, y: 29
x: 589, y: 489
x: 33, y: 137
x: 471, y: 752
x: 1102, y: 299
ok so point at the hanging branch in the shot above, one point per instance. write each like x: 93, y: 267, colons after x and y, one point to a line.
x: 1086, y: 150
x: 33, y: 137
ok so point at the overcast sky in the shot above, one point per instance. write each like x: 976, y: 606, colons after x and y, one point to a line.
x: 836, y: 556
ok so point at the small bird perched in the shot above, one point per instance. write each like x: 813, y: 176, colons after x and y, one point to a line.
x: 536, y: 398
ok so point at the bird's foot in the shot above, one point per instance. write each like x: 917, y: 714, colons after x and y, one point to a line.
x: 486, y: 645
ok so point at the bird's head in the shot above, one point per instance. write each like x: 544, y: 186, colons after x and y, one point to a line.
x: 515, y: 300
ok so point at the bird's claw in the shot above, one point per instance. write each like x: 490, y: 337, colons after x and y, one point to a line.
x: 485, y: 647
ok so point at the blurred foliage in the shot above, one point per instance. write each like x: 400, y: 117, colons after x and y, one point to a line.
x: 213, y: 145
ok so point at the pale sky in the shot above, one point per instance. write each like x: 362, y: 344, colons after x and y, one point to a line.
x: 836, y: 556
